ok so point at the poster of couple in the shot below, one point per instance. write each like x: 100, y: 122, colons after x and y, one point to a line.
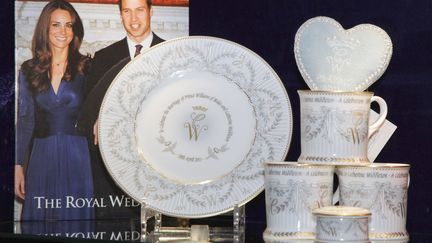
x: 66, y: 55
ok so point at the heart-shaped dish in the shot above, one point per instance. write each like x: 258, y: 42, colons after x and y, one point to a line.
x: 331, y: 58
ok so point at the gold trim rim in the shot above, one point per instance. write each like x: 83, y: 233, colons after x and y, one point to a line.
x: 381, y: 165
x: 342, y: 211
x: 335, y: 92
x: 279, y: 235
x: 389, y: 236
x: 344, y: 215
x: 293, y: 164
x: 336, y: 161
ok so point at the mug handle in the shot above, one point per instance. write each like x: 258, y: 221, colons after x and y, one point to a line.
x: 409, y: 181
x: 335, y: 198
x: 382, y: 114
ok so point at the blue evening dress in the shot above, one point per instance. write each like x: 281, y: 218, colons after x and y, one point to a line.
x: 58, y: 179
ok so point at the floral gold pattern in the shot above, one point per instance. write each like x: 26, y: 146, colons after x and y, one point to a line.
x: 349, y: 125
x: 348, y: 229
x: 296, y: 195
x: 390, y: 235
x: 295, y: 235
x: 335, y: 160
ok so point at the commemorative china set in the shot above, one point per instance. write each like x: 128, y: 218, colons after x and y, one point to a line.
x: 189, y: 127
x: 338, y: 65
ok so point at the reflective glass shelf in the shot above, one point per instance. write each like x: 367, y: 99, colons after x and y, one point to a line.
x: 219, y: 230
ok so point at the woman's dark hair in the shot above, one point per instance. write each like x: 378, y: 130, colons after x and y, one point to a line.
x: 37, y: 69
x: 149, y: 4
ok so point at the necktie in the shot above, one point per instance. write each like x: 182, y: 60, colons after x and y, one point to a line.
x: 137, y: 49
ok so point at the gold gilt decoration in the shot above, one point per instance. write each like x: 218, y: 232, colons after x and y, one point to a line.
x: 389, y: 235
x: 282, y: 234
x: 339, y: 160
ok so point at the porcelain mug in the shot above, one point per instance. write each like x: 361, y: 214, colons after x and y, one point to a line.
x: 383, y: 189
x: 342, y: 224
x: 292, y: 191
x: 335, y: 126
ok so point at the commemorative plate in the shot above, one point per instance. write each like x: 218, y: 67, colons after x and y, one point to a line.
x: 186, y: 126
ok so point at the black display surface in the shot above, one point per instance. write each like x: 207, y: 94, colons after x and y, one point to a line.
x: 129, y: 230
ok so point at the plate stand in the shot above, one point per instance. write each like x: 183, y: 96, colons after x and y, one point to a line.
x: 239, y: 223
x: 199, y: 232
x: 146, y: 214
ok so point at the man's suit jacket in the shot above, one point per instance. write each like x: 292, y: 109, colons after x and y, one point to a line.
x: 107, y: 63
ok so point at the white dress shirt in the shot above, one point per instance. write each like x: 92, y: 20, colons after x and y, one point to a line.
x: 145, y: 43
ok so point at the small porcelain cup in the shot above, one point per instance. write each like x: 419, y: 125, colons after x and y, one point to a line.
x: 342, y: 224
x: 383, y: 189
x: 292, y: 191
x: 335, y: 126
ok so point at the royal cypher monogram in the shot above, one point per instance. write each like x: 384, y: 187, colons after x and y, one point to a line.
x: 341, y: 49
x: 341, y: 58
x: 298, y: 195
x: 327, y: 122
x: 382, y: 198
x: 194, y: 128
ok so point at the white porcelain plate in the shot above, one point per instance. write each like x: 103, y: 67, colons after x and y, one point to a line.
x: 334, y: 59
x: 186, y: 127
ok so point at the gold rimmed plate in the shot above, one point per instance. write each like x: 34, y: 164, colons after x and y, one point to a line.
x: 186, y: 127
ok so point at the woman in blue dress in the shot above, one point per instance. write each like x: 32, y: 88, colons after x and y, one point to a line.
x: 57, y: 183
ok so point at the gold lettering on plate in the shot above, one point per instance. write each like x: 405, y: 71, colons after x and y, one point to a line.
x: 194, y: 127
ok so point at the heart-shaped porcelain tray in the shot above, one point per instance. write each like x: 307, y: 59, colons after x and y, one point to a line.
x: 334, y: 59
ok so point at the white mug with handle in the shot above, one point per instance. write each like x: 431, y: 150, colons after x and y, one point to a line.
x: 335, y: 127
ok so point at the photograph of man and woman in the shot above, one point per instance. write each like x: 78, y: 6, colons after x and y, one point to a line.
x: 59, y: 172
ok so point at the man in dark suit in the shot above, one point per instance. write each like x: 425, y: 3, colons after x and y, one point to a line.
x: 107, y: 63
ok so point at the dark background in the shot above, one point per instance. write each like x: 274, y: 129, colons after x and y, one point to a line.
x: 267, y: 27
x: 7, y: 93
